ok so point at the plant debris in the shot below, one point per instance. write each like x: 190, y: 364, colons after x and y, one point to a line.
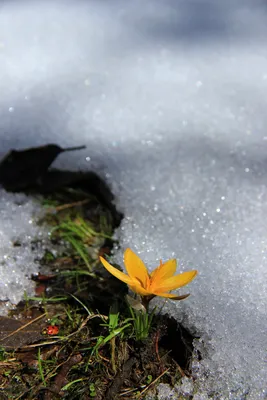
x: 15, y: 334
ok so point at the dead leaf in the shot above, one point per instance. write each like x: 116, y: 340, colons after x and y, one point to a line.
x: 15, y: 334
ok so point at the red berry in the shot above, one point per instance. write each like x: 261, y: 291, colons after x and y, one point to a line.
x: 52, y: 330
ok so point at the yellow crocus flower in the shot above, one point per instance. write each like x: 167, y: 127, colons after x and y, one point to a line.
x: 157, y: 283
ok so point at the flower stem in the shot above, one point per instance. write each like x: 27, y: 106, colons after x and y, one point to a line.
x: 145, y: 300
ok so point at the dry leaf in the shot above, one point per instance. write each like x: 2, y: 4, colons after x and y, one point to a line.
x: 15, y: 334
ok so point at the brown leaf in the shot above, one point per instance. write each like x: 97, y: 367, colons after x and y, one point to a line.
x: 15, y: 334
x: 29, y: 357
x: 61, y: 378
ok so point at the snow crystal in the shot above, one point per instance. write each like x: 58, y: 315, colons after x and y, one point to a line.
x: 21, y: 244
x: 170, y: 99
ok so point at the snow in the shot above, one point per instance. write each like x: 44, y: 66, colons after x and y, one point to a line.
x: 22, y: 243
x: 170, y: 99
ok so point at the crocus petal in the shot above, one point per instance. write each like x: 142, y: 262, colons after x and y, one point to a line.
x: 114, y: 271
x: 136, y: 268
x: 173, y: 296
x: 163, y: 272
x: 175, y: 282
x: 137, y: 288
